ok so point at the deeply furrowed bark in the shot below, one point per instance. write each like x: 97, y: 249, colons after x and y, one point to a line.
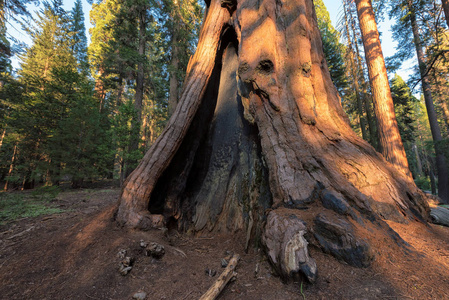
x: 282, y: 142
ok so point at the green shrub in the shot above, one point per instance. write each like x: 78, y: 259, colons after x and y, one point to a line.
x: 46, y: 192
x: 423, y: 182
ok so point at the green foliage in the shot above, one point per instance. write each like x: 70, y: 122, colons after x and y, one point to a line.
x: 333, y: 49
x: 47, y: 192
x: 14, y: 206
x: 423, y: 182
x: 79, y: 39
x: 51, y: 113
x: 404, y: 103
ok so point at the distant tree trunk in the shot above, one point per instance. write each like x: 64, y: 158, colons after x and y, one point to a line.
x: 3, y: 136
x: 138, y: 99
x: 390, y: 139
x: 11, y: 167
x: 367, y: 98
x: 259, y: 137
x: 418, y: 160
x: 446, y: 10
x: 174, y: 65
x: 443, y: 176
x: 445, y: 110
x: 100, y: 91
x: 354, y: 72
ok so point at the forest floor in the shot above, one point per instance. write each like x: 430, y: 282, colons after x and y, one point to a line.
x: 73, y: 254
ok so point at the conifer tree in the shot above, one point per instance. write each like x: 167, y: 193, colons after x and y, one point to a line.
x: 78, y: 36
x: 407, y: 32
x: 333, y: 49
x: 390, y: 140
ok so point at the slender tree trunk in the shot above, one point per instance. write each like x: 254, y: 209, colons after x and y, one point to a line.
x: 174, y: 64
x: 100, y: 91
x: 11, y: 167
x: 446, y: 10
x: 355, y: 82
x: 138, y: 99
x: 445, y: 110
x: 443, y: 175
x: 2, y: 137
x: 260, y: 125
x: 390, y: 139
x: 418, y: 160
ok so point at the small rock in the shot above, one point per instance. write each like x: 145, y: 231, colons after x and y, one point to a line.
x: 121, y: 253
x: 256, y: 271
x: 211, y: 272
x: 124, y: 270
x: 140, y: 296
x: 128, y: 261
x: 224, y: 263
x: 143, y: 244
x: 155, y: 250
x: 125, y: 266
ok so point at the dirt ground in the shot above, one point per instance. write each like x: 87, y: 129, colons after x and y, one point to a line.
x: 74, y: 255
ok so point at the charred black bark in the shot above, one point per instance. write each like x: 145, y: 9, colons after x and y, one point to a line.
x: 217, y: 179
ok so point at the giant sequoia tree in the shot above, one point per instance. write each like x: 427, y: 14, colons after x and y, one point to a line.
x: 259, y: 143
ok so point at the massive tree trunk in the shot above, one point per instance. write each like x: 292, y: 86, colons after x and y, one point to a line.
x: 259, y: 143
x: 389, y: 137
x: 442, y: 168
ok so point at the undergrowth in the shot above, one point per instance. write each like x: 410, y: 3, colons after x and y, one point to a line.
x: 15, y: 206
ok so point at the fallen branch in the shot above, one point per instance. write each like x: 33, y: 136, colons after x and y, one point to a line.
x: 223, y: 280
x: 440, y: 215
x: 20, y: 234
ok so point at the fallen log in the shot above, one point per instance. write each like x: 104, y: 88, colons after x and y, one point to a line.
x: 439, y: 215
x: 223, y: 280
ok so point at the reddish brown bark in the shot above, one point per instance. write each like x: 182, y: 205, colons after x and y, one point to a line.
x: 389, y: 137
x: 319, y: 175
x: 100, y: 91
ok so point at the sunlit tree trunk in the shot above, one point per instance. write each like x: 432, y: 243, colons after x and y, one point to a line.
x: 367, y: 97
x: 445, y: 110
x: 100, y: 91
x: 2, y: 137
x: 443, y: 176
x: 259, y: 143
x: 389, y: 137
